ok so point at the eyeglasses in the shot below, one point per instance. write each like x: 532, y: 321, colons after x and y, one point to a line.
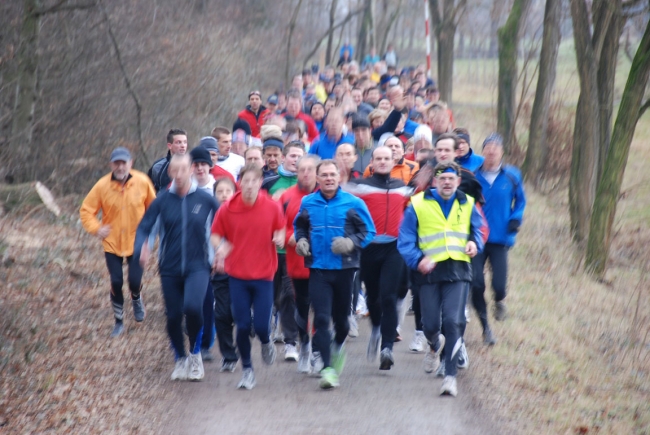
x: 258, y: 93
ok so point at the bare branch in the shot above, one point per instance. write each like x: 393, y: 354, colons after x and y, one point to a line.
x: 459, y: 10
x: 643, y: 108
x: 61, y: 6
x: 320, y: 39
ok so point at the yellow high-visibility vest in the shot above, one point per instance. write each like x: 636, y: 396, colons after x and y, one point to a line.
x: 442, y: 239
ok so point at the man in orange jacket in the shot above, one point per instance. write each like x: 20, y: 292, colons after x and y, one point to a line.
x: 122, y: 196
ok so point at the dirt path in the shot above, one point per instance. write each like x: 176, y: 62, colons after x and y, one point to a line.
x: 403, y: 400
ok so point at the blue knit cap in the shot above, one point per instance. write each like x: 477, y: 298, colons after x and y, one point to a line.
x: 493, y: 138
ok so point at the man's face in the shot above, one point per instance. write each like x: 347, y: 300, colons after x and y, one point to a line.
x: 214, y: 156
x: 384, y: 105
x: 297, y: 82
x: 223, y: 192
x: 446, y: 184
x: 463, y: 148
x: 293, y: 107
x: 272, y: 107
x: 346, y: 156
x: 382, y: 160
x: 334, y: 125
x: 444, y: 151
x: 182, y: 171
x: 362, y: 137
x: 396, y: 148
x: 272, y: 157
x: 178, y: 145
x: 357, y: 96
x: 224, y: 143
x: 307, y: 174
x: 493, y: 153
x: 255, y: 157
x: 201, y: 171
x: 439, y: 121
x: 329, y: 103
x: 120, y: 169
x: 433, y: 96
x: 255, y: 101
x: 291, y: 158
x: 317, y: 112
x: 328, y: 178
x: 250, y: 185
x: 372, y: 97
x: 306, y: 79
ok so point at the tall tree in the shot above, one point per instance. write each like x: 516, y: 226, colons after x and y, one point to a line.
x: 537, y: 151
x: 609, y: 185
x: 594, y: 54
x: 292, y: 26
x: 508, y: 36
x: 445, y: 15
x: 330, y: 33
x: 366, y: 31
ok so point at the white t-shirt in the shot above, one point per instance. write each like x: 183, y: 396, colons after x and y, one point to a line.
x: 233, y: 164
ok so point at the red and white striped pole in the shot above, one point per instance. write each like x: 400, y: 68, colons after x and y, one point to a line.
x: 428, y: 40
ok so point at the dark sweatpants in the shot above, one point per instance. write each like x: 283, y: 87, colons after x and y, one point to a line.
x: 207, y: 339
x: 446, y: 300
x: 415, y: 292
x: 301, y: 288
x: 382, y: 270
x: 498, y: 256
x: 184, y: 295
x: 223, y: 319
x: 285, y: 302
x: 245, y: 294
x: 114, y: 265
x: 330, y: 294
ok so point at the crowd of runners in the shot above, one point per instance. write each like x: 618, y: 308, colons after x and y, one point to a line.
x: 324, y: 204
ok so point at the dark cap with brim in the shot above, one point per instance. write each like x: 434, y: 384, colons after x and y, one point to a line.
x: 120, y: 154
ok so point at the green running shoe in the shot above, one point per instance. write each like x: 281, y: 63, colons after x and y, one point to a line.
x: 328, y: 378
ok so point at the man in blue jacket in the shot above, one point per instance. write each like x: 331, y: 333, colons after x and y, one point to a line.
x: 331, y: 228
x: 441, y: 231
x: 184, y: 214
x: 505, y: 201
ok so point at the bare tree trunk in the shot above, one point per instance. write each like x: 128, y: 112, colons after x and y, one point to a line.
x: 27, y: 59
x: 446, y: 60
x: 330, y: 34
x: 391, y: 21
x: 366, y: 28
x: 292, y: 26
x: 537, y: 152
x: 508, y: 36
x: 609, y: 186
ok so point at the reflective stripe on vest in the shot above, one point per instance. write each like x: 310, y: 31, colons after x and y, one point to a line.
x: 442, y: 239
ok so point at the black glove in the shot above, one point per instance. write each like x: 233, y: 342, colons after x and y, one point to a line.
x: 513, y: 226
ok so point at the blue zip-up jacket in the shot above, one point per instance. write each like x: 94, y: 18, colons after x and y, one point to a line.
x: 319, y: 220
x: 409, y: 247
x: 470, y: 161
x: 184, y: 231
x: 505, y: 200
x: 325, y: 147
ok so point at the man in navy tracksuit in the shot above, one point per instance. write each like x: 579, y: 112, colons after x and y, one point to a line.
x: 184, y: 214
x: 331, y: 228
x: 505, y: 200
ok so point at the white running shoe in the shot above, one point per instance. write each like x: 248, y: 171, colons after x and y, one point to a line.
x: 316, y: 363
x: 449, y: 387
x: 432, y: 359
x: 463, y: 358
x: 290, y: 352
x: 247, y: 380
x: 418, y: 342
x: 195, y: 370
x: 268, y: 353
x: 180, y: 370
x: 354, y: 326
x: 303, y: 360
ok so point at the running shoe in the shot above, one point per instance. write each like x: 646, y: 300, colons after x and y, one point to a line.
x: 303, y: 360
x: 117, y: 329
x: 328, y: 378
x: 386, y: 360
x: 247, y: 380
x: 268, y: 353
x: 180, y: 369
x: 228, y: 366
x: 195, y: 371
x: 500, y: 311
x: 290, y: 352
x: 338, y: 358
x: 463, y: 358
x: 316, y: 363
x: 488, y: 337
x: 440, y: 373
x: 354, y: 326
x: 206, y: 355
x: 432, y: 358
x: 138, y: 309
x: 449, y: 387
x: 373, y: 345
x: 418, y: 342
